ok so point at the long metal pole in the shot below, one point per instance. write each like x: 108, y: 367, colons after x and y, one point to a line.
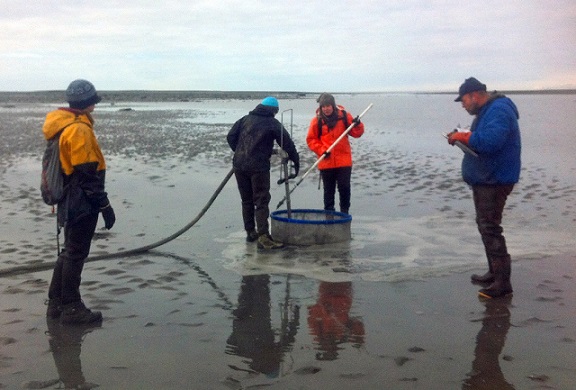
x: 284, y: 159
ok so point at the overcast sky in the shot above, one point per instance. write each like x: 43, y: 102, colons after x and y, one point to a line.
x: 336, y: 46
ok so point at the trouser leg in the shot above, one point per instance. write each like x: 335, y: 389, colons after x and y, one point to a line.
x: 55, y: 288
x: 344, y: 190
x: 244, y: 181
x: 489, y: 202
x: 329, y: 184
x: 261, y: 195
x: 66, y: 276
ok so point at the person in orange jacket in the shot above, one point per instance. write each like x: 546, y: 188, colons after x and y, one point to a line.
x: 84, y: 170
x: 330, y: 122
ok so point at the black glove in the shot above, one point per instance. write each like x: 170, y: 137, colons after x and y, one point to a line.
x: 356, y: 120
x: 296, y: 165
x: 109, y: 216
x: 326, y: 154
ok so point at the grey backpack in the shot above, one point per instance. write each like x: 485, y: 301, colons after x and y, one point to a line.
x: 52, y: 180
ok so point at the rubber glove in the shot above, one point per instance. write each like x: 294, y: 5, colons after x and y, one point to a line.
x: 463, y: 137
x: 109, y: 216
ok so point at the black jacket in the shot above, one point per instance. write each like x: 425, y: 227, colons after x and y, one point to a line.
x: 252, y: 140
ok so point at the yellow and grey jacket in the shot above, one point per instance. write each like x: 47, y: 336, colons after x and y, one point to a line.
x: 82, y: 162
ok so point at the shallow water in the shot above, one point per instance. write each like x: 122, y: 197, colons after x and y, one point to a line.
x: 173, y: 317
x: 412, y: 214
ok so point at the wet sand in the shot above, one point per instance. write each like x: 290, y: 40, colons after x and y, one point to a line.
x: 209, y: 311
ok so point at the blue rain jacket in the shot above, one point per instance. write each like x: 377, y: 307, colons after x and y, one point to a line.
x: 496, y: 139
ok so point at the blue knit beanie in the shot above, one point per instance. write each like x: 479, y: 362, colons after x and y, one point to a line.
x: 81, y: 94
x: 270, y: 101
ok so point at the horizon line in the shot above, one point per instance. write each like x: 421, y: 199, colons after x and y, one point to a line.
x: 541, y: 90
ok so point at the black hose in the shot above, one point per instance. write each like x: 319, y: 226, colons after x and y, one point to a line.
x: 25, y: 269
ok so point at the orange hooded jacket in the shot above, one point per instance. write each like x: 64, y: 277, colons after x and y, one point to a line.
x: 341, y: 155
x: 78, y: 144
x: 82, y: 162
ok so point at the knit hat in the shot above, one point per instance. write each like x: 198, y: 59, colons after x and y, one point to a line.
x: 469, y: 85
x: 270, y: 101
x: 326, y: 100
x: 81, y: 94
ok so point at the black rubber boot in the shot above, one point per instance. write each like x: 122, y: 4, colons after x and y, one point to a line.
x: 251, y: 236
x: 502, y: 268
x: 54, y: 308
x: 77, y: 313
x: 488, y: 277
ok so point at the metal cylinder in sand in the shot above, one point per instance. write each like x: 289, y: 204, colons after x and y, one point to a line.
x: 310, y: 227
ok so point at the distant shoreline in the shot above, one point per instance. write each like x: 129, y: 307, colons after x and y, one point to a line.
x: 183, y: 96
x: 516, y: 92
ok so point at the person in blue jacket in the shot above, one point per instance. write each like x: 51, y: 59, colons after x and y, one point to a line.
x: 492, y: 174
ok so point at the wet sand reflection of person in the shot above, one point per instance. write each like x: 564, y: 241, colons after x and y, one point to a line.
x: 252, y: 334
x: 329, y: 320
x: 66, y: 344
x: 486, y: 372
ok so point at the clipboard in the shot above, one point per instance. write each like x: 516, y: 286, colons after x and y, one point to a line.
x: 463, y: 147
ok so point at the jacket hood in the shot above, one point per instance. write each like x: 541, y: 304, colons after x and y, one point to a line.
x: 262, y: 110
x: 503, y: 99
x: 62, y: 117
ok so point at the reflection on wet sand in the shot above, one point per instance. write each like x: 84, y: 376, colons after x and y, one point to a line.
x: 253, y: 336
x: 486, y: 371
x: 329, y: 320
x: 66, y: 345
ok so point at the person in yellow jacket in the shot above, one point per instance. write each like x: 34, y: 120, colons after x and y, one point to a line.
x: 330, y: 122
x: 84, y: 177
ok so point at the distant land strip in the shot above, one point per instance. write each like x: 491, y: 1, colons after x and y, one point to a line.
x: 183, y: 96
